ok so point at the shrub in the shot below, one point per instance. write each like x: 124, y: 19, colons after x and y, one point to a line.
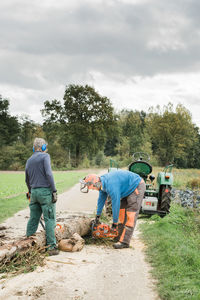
x: 85, y: 163
x: 194, y: 183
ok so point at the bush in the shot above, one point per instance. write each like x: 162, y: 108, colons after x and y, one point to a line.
x: 85, y: 163
x: 194, y: 183
x: 14, y: 157
x: 16, y: 166
x: 99, y: 158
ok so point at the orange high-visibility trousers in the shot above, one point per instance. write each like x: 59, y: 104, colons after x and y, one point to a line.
x: 129, y: 210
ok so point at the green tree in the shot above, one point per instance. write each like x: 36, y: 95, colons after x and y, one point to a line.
x: 131, y: 124
x: 27, y: 130
x: 83, y: 120
x: 9, y: 125
x: 172, y: 133
x: 113, y: 137
x: 193, y: 153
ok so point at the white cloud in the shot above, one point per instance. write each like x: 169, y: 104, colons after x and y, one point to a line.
x: 29, y: 101
x: 139, y: 93
x: 137, y: 52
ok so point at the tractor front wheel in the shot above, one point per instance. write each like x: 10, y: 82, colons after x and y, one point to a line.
x: 165, y: 198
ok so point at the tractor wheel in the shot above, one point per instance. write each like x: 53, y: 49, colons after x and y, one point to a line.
x: 165, y: 198
x: 108, y: 206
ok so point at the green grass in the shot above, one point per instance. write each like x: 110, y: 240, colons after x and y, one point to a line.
x: 13, y: 189
x: 173, y: 249
x: 181, y: 176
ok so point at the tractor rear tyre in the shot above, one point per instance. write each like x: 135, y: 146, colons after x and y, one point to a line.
x: 165, y: 199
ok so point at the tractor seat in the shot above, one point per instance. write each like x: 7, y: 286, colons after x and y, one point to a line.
x: 141, y: 168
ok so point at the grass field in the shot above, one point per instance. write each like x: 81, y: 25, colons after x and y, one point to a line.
x: 13, y: 189
x: 182, y: 177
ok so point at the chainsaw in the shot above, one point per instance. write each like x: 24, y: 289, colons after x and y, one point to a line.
x: 103, y: 231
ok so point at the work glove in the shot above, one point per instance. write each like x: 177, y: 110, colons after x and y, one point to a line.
x: 114, y: 227
x: 28, y: 195
x: 97, y: 221
x: 54, y: 197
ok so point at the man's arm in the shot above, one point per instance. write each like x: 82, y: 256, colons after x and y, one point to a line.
x: 115, y: 198
x: 27, y: 180
x: 101, y: 201
x: 48, y: 171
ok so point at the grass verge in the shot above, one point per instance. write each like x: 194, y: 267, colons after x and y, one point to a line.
x: 173, y: 250
x: 182, y: 177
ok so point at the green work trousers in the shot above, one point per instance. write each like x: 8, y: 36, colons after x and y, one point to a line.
x: 41, y: 203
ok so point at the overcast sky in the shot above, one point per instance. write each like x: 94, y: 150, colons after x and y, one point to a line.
x: 138, y: 53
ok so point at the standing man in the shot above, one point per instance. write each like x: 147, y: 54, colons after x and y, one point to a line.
x: 43, y: 194
x: 126, y: 190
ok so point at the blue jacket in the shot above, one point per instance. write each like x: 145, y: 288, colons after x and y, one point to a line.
x: 117, y: 184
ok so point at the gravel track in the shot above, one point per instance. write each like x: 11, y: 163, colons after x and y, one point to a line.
x: 97, y: 272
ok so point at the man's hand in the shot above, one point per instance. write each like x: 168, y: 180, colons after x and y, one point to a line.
x: 54, y: 197
x: 28, y: 196
x: 114, y: 227
x: 97, y: 220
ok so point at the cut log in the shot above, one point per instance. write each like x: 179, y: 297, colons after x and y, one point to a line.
x: 65, y: 230
x: 75, y: 243
x: 68, y: 228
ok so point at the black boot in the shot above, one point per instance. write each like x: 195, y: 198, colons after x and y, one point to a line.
x: 53, y: 251
x: 120, y: 245
x: 120, y: 229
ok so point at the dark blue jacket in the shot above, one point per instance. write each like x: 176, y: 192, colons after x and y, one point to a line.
x: 38, y: 171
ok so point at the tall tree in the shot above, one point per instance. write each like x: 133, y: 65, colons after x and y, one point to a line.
x: 132, y: 131
x: 9, y: 125
x: 83, y: 120
x: 172, y: 133
x: 28, y: 129
x: 193, y: 153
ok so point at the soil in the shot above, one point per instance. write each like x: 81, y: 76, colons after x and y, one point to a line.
x: 96, y: 272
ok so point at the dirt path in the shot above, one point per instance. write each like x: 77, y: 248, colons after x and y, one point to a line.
x: 95, y: 273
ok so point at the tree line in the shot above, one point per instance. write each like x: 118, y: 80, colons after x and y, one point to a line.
x: 84, y: 130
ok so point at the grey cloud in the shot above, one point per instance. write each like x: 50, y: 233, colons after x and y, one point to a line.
x: 60, y: 43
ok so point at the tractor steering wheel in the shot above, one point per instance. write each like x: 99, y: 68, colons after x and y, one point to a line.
x: 141, y: 156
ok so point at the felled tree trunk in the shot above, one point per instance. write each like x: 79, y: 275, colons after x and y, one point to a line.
x: 68, y: 229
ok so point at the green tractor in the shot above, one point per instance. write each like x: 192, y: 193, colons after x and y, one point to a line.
x: 156, y: 200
